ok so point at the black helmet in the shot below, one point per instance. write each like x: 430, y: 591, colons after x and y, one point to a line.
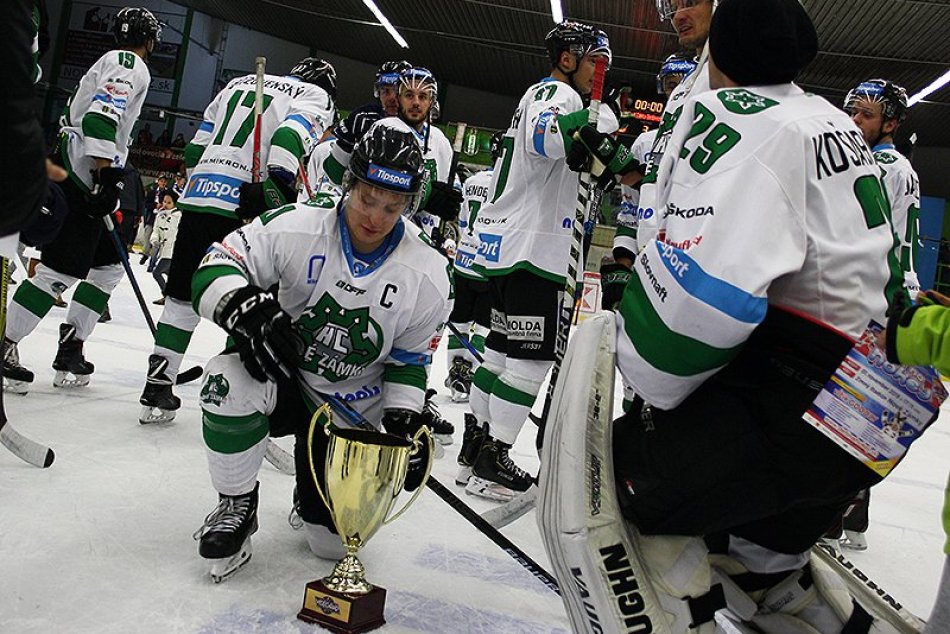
x: 494, y: 144
x: 580, y: 39
x: 134, y: 26
x: 388, y: 158
x: 676, y: 64
x: 388, y: 75
x: 318, y: 72
x: 892, y: 97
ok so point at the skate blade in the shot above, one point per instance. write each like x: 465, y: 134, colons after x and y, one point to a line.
x: 443, y: 439
x: 16, y: 387
x: 853, y: 546
x: 223, y: 568
x: 489, y: 490
x: 68, y: 380
x: 463, y: 476
x: 151, y: 415
x: 439, y: 451
x: 459, y: 397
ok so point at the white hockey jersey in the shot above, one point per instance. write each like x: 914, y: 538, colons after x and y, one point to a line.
x: 321, y: 185
x: 474, y: 194
x: 770, y: 197
x: 370, y: 328
x: 626, y: 235
x: 694, y: 84
x: 528, y: 220
x: 98, y: 119
x: 903, y: 192
x: 221, y: 153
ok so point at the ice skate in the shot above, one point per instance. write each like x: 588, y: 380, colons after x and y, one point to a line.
x: 16, y: 378
x: 853, y: 540
x: 442, y: 430
x: 158, y: 402
x: 494, y: 475
x: 472, y: 439
x: 459, y: 380
x: 72, y: 369
x: 225, y: 537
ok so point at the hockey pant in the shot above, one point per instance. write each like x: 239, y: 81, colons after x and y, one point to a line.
x: 35, y: 297
x: 239, y: 413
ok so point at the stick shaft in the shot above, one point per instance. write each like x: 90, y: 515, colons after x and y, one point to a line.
x: 259, y: 65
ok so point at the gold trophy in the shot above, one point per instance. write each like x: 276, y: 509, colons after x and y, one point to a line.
x: 365, y: 472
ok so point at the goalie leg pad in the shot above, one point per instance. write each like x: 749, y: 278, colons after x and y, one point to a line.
x: 600, y: 562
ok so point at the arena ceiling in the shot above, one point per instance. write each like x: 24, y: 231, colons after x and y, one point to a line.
x: 496, y: 45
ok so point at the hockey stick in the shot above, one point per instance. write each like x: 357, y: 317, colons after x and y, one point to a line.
x: 259, y: 65
x: 356, y: 419
x: 280, y: 459
x: 465, y: 341
x: 874, y: 598
x: 581, y: 210
x: 22, y: 447
x: 183, y: 377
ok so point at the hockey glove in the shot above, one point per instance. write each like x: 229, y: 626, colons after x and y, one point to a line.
x: 444, y: 201
x: 263, y: 333
x: 106, y: 187
x: 256, y: 198
x: 405, y: 424
x: 610, y: 159
x: 349, y: 131
x: 613, y: 280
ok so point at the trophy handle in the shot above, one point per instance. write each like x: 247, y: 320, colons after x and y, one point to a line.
x: 322, y: 410
x: 425, y: 478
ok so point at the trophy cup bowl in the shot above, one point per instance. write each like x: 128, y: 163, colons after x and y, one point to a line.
x: 364, y: 473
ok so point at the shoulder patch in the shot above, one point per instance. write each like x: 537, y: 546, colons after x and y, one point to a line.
x: 742, y: 101
x: 323, y: 201
x: 270, y: 214
x: 885, y: 158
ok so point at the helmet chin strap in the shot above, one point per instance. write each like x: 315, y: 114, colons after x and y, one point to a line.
x: 570, y: 75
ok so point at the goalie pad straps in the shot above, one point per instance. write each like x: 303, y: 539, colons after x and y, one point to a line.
x: 598, y: 558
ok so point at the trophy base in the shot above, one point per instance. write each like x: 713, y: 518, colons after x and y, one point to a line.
x: 340, y: 612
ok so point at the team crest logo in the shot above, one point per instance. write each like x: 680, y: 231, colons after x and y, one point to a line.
x: 885, y: 158
x: 215, y: 389
x: 741, y: 101
x: 341, y: 342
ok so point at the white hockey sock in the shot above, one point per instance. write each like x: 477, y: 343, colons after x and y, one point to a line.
x: 33, y: 300
x: 236, y: 473
x: 173, y: 334
x: 482, y: 382
x: 513, y: 395
x: 939, y: 621
x: 90, y: 298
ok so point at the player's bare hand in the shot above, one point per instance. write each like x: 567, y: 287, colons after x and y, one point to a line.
x: 54, y: 172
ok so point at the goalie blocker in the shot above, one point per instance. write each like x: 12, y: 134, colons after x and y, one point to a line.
x: 614, y: 580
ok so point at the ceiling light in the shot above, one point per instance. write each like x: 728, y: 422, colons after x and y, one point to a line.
x: 942, y: 81
x: 556, y: 11
x: 371, y: 5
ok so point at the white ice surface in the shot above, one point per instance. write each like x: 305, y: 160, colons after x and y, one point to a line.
x: 101, y: 541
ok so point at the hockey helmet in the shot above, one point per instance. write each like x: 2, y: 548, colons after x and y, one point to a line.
x: 494, y: 144
x: 135, y: 26
x: 893, y: 98
x: 679, y: 64
x: 388, y: 75
x: 577, y: 38
x: 419, y: 78
x: 666, y: 8
x: 318, y: 72
x: 388, y: 158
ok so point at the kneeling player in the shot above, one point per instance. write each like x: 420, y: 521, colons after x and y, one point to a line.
x: 766, y: 268
x: 360, y: 298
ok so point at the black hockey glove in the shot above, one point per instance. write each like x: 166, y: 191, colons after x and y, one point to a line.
x: 613, y: 280
x: 263, y: 333
x: 349, y: 131
x: 610, y: 159
x: 405, y: 424
x: 256, y: 198
x: 444, y: 201
x: 106, y: 187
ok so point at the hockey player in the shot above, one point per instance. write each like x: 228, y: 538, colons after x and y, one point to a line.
x: 220, y: 194
x: 326, y: 178
x: 93, y: 145
x: 766, y: 266
x: 471, y: 314
x: 878, y: 107
x: 524, y: 233
x: 360, y: 296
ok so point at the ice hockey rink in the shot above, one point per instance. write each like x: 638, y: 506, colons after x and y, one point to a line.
x: 101, y: 542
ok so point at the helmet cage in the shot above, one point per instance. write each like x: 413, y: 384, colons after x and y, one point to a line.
x: 893, y: 98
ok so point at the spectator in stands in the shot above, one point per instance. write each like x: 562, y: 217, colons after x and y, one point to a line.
x: 165, y: 139
x: 179, y: 141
